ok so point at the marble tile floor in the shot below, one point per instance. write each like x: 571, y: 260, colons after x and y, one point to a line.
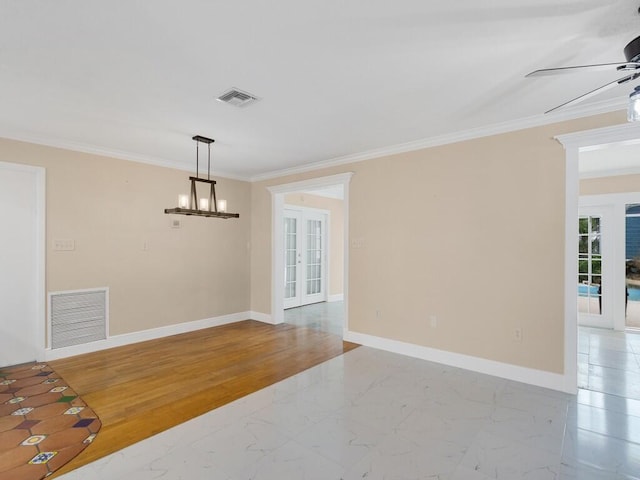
x: 372, y: 415
x: 609, y: 362
x: 323, y: 316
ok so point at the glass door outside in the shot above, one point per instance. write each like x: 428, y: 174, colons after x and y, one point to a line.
x: 304, y: 257
x: 632, y: 265
x: 595, y: 306
x: 292, y: 260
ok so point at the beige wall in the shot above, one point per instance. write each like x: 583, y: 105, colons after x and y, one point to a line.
x: 336, y: 232
x: 472, y: 233
x: 615, y: 184
x: 111, y: 208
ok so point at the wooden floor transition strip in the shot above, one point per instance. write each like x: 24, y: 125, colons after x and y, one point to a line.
x: 142, y: 389
x: 43, y: 422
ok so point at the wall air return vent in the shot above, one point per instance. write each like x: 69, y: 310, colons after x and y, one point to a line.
x: 78, y: 317
x: 237, y: 97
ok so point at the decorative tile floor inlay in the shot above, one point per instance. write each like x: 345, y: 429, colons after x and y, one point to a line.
x: 33, y: 441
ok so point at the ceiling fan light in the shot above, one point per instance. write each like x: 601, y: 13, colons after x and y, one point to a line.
x: 633, y: 112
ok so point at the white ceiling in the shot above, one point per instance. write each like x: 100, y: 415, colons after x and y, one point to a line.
x: 136, y: 79
x: 610, y: 161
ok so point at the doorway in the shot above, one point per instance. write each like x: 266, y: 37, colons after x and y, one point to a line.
x: 278, y: 193
x: 22, y: 337
x: 305, y: 256
x: 576, y: 145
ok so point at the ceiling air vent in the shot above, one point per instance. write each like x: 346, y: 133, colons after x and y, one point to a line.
x: 237, y: 97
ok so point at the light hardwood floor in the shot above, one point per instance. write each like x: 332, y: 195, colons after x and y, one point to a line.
x: 142, y: 389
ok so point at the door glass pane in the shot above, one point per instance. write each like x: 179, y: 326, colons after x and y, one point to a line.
x: 314, y: 255
x: 632, y: 265
x: 290, y: 254
x: 583, y: 225
x: 583, y: 245
x: 589, y: 266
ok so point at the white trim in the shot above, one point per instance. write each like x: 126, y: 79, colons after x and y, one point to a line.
x: 572, y: 188
x: 41, y: 258
x: 449, y: 138
x: 111, y: 153
x: 318, y: 182
x: 531, y: 376
x: 599, y: 138
x: 337, y: 297
x: 41, y: 249
x: 624, y: 134
x: 261, y: 317
x: 277, y: 236
x: 144, y: 335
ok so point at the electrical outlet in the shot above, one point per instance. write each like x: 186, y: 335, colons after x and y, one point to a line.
x: 517, y: 335
x: 378, y: 314
x: 433, y: 320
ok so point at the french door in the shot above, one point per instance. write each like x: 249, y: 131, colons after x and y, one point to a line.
x: 304, y: 257
x: 596, y: 288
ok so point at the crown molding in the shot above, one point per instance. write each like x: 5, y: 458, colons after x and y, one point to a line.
x: 596, y: 139
x: 489, y: 130
x: 108, y: 152
x: 449, y: 138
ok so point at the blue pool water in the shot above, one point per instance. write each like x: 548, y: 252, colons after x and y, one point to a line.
x: 584, y: 289
x: 634, y: 293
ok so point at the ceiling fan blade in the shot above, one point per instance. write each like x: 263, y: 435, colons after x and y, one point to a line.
x: 598, y: 66
x: 598, y: 90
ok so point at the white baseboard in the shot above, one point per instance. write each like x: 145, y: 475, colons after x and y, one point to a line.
x: 141, y: 336
x: 530, y: 376
x: 338, y: 297
x: 261, y: 317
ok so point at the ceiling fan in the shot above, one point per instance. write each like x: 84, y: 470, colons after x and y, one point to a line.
x: 630, y: 68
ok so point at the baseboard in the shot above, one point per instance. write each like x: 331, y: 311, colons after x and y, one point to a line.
x: 338, y: 297
x: 141, y: 336
x: 540, y: 378
x: 261, y: 317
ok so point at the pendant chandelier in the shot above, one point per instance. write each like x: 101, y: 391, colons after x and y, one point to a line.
x: 202, y: 206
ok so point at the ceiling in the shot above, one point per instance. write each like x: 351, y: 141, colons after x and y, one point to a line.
x: 620, y: 159
x: 336, y: 79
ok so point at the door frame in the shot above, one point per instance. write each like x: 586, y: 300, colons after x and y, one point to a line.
x: 574, y: 143
x: 40, y: 341
x: 326, y: 234
x: 278, y: 193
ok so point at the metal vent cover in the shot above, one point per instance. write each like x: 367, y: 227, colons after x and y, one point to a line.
x: 78, y: 317
x: 237, y: 97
